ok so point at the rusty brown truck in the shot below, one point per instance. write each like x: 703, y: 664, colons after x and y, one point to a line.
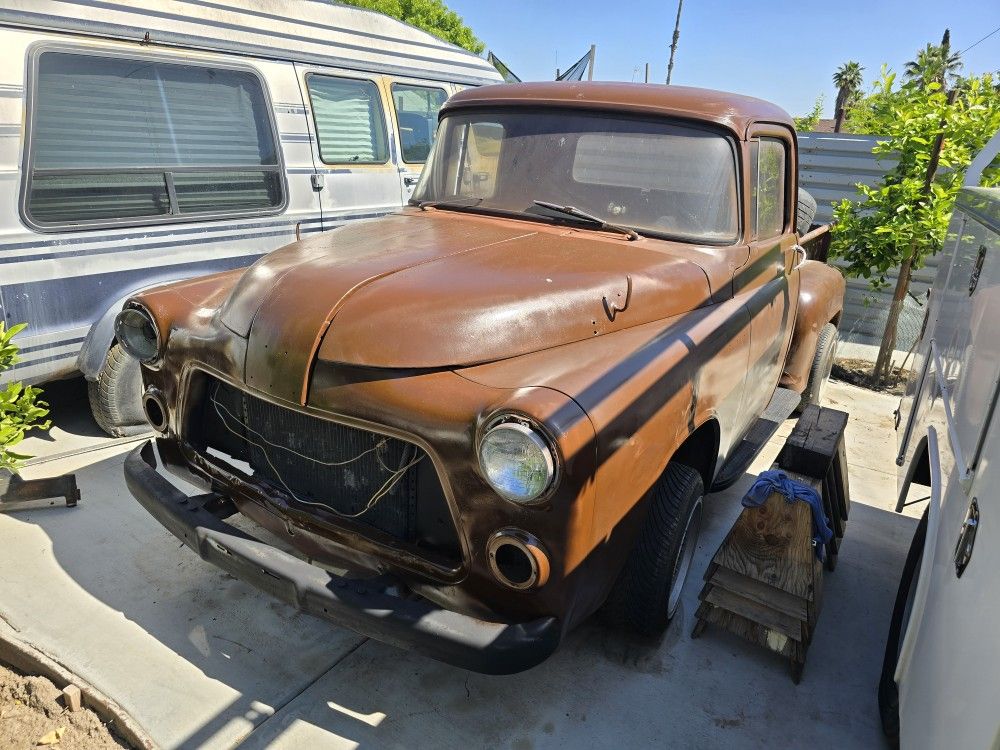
x: 482, y: 419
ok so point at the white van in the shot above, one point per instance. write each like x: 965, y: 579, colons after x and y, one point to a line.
x: 146, y: 142
x: 940, y: 676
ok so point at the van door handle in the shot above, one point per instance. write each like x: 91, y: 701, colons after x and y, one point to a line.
x: 967, y: 538
x: 410, y: 180
x: 801, y: 252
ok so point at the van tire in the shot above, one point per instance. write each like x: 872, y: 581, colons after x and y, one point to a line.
x: 641, y: 599
x: 822, y: 366
x: 116, y: 395
x: 888, y: 691
x: 805, y: 212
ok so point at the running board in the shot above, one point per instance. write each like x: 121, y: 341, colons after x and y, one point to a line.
x: 783, y: 403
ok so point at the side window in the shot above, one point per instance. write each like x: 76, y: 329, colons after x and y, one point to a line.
x: 767, y: 186
x: 129, y: 140
x: 416, y: 117
x: 350, y: 124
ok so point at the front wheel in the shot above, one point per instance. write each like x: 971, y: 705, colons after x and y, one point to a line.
x: 116, y: 395
x: 648, y: 590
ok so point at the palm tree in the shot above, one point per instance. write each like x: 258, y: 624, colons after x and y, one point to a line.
x: 848, y: 80
x: 935, y: 63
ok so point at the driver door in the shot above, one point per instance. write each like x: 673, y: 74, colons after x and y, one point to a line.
x: 769, y: 281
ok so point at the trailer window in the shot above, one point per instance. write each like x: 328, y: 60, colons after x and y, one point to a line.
x: 416, y: 116
x: 116, y: 140
x: 350, y: 125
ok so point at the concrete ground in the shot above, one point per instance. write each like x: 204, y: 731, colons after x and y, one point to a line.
x: 201, y: 659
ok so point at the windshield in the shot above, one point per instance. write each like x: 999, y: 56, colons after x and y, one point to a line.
x: 657, y: 176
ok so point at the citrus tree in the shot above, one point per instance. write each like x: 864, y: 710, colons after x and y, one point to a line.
x: 903, y: 218
x: 20, y: 408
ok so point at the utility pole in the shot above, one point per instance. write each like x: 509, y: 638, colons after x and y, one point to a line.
x: 590, y: 64
x: 647, y: 72
x: 673, y: 44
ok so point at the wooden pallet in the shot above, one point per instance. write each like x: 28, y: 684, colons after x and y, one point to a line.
x: 765, y: 582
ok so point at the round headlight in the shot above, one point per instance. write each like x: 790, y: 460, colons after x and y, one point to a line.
x: 137, y: 334
x: 516, y: 461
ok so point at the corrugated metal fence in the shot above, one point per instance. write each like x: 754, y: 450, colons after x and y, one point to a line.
x: 830, y: 164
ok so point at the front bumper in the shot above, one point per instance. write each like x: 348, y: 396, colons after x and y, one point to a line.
x: 417, y: 625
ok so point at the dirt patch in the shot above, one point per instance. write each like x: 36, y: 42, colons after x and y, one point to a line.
x: 31, y: 709
x: 858, y: 372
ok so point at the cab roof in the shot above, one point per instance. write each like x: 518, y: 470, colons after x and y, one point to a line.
x: 733, y: 111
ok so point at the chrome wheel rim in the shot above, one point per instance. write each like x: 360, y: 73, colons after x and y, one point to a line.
x: 682, y: 565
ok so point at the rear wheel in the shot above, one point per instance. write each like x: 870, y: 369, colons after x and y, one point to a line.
x: 116, y: 395
x: 648, y: 590
x: 822, y: 366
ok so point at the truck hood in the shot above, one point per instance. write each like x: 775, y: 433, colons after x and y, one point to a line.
x: 442, y: 289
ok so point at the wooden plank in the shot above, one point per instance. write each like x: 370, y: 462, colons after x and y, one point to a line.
x: 769, y: 596
x: 762, y: 614
x: 754, y: 632
x: 812, y: 445
x: 840, y: 474
x: 772, y: 543
x: 832, y: 510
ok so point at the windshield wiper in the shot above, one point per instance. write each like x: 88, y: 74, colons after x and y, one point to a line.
x: 461, y: 203
x: 578, y: 214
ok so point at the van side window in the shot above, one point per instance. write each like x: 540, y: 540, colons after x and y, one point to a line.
x: 767, y: 186
x: 350, y: 125
x: 116, y: 140
x: 416, y: 117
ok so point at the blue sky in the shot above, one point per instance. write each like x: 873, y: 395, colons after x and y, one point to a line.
x: 779, y: 50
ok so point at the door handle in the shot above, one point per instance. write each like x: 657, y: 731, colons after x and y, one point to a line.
x: 967, y: 538
x: 800, y: 251
x: 410, y: 180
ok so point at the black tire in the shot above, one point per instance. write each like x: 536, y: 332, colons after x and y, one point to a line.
x: 888, y: 692
x: 805, y: 212
x: 647, y: 592
x: 116, y: 395
x: 822, y: 366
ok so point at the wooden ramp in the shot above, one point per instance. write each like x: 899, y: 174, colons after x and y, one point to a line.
x: 765, y: 582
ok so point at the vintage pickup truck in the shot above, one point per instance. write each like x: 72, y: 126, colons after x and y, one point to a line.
x: 480, y: 420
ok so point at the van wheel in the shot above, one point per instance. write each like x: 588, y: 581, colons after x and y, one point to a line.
x: 888, y: 692
x: 116, y: 395
x: 822, y: 366
x: 648, y: 590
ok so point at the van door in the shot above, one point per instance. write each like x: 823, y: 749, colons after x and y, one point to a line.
x: 357, y: 177
x: 415, y: 107
x: 950, y: 655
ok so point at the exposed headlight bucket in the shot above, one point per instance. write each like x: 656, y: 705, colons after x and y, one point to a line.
x: 137, y: 333
x: 516, y: 461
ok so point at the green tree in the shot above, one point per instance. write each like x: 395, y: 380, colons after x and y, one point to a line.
x: 848, y: 80
x: 808, y: 122
x: 20, y: 409
x: 430, y: 15
x: 903, y: 219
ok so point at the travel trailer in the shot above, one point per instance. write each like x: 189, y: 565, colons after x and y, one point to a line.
x: 152, y: 142
x: 938, y: 686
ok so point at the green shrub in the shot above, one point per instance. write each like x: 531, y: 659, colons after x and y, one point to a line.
x: 20, y: 409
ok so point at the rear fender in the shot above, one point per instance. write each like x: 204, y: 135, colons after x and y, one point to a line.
x: 821, y: 301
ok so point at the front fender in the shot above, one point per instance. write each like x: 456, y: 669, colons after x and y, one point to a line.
x: 821, y: 301
x: 101, y: 335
